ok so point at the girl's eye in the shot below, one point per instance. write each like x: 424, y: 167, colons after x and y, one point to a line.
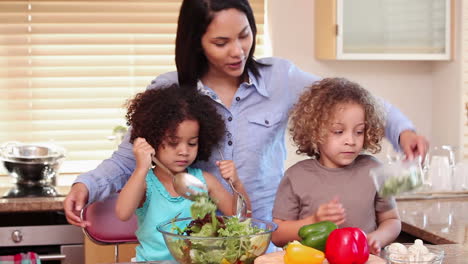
x: 193, y: 144
x: 220, y: 44
x: 337, y: 132
x: 173, y: 144
x: 360, y: 132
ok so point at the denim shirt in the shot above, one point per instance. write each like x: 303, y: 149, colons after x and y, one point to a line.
x: 256, y: 122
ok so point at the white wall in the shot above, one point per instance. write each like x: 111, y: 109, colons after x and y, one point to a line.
x: 409, y: 85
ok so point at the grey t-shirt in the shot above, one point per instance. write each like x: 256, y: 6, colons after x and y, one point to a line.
x: 308, y: 184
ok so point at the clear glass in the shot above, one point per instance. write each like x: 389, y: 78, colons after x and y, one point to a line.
x: 439, y: 168
x: 394, y: 26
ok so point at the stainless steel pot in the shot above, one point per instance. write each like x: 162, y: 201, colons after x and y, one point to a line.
x: 32, y: 164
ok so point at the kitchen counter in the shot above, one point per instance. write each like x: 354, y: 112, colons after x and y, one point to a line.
x: 454, y: 254
x: 436, y: 220
x: 33, y: 204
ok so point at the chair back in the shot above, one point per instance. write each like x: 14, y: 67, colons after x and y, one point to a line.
x: 105, y: 227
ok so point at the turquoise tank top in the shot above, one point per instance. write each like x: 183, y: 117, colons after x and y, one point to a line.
x: 159, y: 207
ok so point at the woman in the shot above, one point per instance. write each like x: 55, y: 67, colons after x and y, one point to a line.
x: 214, y: 49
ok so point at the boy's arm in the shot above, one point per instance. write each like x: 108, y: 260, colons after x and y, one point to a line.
x: 288, y: 230
x: 388, y: 229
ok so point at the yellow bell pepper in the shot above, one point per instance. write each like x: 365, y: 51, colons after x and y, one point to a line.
x: 296, y: 253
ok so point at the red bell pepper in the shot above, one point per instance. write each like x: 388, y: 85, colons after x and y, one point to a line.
x: 347, y: 246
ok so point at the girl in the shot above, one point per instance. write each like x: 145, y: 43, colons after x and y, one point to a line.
x: 215, y: 44
x: 334, y: 121
x: 178, y: 128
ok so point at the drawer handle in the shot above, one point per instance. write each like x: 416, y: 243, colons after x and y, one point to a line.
x: 52, y: 257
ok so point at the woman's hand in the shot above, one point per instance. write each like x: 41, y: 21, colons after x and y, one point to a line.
x: 413, y: 145
x: 228, y: 171
x: 332, y: 211
x: 143, y: 152
x: 74, y: 203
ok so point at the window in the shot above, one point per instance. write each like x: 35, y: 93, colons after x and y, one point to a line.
x: 67, y: 67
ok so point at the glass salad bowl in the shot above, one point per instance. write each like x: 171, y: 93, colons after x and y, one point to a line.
x: 234, y: 241
x: 431, y: 255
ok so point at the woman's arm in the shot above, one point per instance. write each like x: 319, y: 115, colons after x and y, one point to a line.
x: 388, y: 229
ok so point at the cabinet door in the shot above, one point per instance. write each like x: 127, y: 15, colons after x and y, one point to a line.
x: 386, y: 29
x: 95, y: 253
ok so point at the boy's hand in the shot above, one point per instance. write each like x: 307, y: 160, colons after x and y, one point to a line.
x: 332, y: 211
x: 228, y: 170
x: 143, y: 152
x: 374, y: 244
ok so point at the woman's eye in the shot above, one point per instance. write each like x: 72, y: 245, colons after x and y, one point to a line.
x: 220, y: 44
x: 243, y: 36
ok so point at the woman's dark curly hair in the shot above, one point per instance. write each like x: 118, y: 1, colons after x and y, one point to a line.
x: 312, y: 114
x: 155, y: 115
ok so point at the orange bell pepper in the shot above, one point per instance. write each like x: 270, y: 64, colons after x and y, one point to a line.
x: 296, y: 253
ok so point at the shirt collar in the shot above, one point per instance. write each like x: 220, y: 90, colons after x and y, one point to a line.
x: 258, y: 84
x: 252, y: 81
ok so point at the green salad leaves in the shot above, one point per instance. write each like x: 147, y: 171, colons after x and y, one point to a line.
x: 242, y: 244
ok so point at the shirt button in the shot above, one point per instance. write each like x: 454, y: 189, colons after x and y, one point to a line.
x: 230, y: 118
x: 267, y: 122
x: 230, y: 143
x: 237, y: 99
x: 229, y: 135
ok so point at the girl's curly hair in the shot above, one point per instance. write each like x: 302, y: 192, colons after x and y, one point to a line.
x: 155, y: 115
x: 312, y: 114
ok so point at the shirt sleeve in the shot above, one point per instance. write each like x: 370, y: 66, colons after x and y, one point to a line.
x: 112, y: 174
x: 384, y: 204
x: 287, y: 206
x: 396, y: 122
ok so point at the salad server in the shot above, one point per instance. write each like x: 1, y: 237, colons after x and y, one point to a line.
x: 185, y: 184
x: 241, y: 204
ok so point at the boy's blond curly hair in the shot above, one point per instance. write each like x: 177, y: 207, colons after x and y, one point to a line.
x: 312, y: 114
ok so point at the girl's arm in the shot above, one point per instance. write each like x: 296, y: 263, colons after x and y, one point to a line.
x: 133, y: 193
x: 388, y: 229
x: 224, y: 199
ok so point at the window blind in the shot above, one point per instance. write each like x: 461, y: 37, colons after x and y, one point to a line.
x: 67, y: 67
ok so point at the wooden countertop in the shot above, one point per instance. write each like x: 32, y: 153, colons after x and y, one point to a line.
x: 33, y: 204
x: 437, y: 220
x: 454, y: 254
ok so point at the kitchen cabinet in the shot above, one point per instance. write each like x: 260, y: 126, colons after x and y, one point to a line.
x: 95, y: 253
x: 384, y: 29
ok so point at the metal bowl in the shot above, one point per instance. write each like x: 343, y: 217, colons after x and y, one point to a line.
x: 30, y: 173
x: 31, y: 164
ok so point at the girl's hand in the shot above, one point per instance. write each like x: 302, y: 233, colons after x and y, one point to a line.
x: 143, y: 152
x: 331, y: 211
x: 228, y: 170
x: 374, y: 244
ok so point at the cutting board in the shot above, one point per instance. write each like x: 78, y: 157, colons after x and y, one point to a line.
x: 277, y: 258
